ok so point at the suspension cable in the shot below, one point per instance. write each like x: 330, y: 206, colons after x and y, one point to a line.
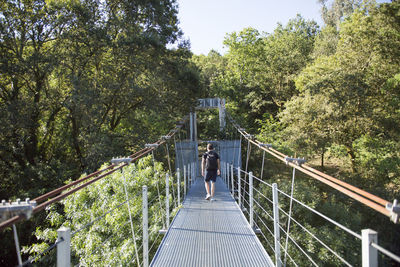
x: 158, y: 190
x: 130, y: 216
x: 290, y: 214
x: 170, y: 172
x: 262, y: 165
x: 247, y: 158
x: 362, y: 196
x: 59, y: 191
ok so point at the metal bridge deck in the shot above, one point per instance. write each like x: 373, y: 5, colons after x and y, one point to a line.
x: 206, y: 233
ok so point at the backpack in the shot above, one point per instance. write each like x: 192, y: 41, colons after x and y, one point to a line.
x: 211, y: 161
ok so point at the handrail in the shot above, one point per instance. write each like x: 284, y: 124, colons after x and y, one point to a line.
x: 360, y: 195
x: 137, y: 155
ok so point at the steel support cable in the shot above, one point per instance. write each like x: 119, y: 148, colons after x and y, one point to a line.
x: 348, y: 186
x: 245, y: 181
x: 345, y: 191
x: 259, y: 192
x: 58, y: 191
x: 158, y: 189
x: 265, y: 225
x: 177, y: 160
x: 282, y: 156
x: 134, y: 157
x: 260, y: 218
x: 154, y: 242
x: 108, y: 238
x: 247, y: 157
x: 234, y: 150
x: 183, y: 165
x: 263, y: 235
x: 133, y: 259
x: 62, y: 188
x: 155, y: 199
x: 130, y: 216
x: 273, y: 249
x: 386, y: 252
x: 30, y: 260
x: 290, y: 214
x: 43, y: 205
x: 261, y: 181
x: 104, y: 214
x: 316, y: 238
x: 170, y: 172
x: 323, y: 216
x: 262, y: 165
x: 361, y: 195
x: 341, y: 189
x: 297, y: 245
x: 266, y: 212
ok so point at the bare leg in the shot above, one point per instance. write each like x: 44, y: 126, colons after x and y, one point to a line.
x: 212, y: 189
x: 208, y: 187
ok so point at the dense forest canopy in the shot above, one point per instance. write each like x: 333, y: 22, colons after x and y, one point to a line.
x: 83, y: 81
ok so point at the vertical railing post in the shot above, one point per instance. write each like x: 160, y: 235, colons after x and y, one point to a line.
x: 179, y: 186
x: 17, y: 245
x: 239, y: 188
x: 223, y: 171
x: 226, y: 174
x: 369, y: 253
x: 233, y: 185
x: 194, y: 172
x: 64, y: 248
x: 184, y: 181
x: 192, y: 180
x: 189, y: 175
x: 251, y: 200
x: 278, y: 262
x: 167, y: 199
x: 145, y: 228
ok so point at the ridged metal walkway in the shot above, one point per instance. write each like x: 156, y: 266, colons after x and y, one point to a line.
x: 208, y: 233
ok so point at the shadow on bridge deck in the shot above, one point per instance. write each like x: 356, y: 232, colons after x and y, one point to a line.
x: 208, y: 233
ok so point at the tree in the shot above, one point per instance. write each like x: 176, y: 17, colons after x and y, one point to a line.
x: 338, y: 11
x: 260, y: 69
x: 352, y: 79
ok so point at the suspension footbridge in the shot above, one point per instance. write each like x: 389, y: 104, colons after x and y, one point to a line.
x: 252, y: 221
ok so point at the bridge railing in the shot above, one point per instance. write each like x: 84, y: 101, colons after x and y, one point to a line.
x: 181, y: 182
x: 263, y: 205
x: 175, y: 185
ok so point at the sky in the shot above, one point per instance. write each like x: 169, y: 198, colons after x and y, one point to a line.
x: 206, y: 22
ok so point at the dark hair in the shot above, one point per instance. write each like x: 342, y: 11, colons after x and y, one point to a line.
x: 210, y: 146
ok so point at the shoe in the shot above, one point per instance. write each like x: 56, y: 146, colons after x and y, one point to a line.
x: 212, y: 199
x: 208, y: 196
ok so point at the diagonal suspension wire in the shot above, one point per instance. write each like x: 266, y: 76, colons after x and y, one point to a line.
x: 290, y: 214
x: 247, y: 158
x: 130, y: 217
x: 104, y: 214
x: 158, y: 189
x: 262, y: 166
x: 29, y: 261
x: 170, y: 173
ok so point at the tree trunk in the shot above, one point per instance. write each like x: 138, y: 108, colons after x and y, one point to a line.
x: 75, y: 137
x: 352, y: 156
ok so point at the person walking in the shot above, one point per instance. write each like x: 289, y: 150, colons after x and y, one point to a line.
x: 210, y: 168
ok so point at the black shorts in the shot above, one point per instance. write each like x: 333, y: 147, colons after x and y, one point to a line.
x: 210, y: 175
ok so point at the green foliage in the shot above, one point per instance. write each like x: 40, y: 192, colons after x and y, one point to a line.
x: 330, y: 95
x: 103, y: 235
x: 81, y: 82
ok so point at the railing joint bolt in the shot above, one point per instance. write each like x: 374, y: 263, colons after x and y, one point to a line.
x: 394, y: 209
x: 297, y: 161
